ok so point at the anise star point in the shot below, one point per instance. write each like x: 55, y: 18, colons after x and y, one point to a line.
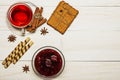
x: 11, y: 38
x: 26, y: 68
x: 44, y: 31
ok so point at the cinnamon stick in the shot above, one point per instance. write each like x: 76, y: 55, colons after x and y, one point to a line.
x: 38, y: 20
x: 32, y: 24
x: 42, y: 22
x: 39, y: 17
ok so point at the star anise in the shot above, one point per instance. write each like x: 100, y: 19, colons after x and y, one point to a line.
x: 44, y: 31
x: 26, y: 69
x: 12, y: 38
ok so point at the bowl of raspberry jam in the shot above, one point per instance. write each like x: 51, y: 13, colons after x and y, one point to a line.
x: 48, y: 62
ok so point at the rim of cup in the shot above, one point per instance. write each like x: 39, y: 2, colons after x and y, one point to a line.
x: 9, y: 13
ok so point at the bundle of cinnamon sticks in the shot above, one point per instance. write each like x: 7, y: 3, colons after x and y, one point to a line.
x: 37, y: 21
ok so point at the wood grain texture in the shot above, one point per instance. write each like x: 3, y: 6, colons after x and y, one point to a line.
x: 94, y: 37
x: 89, y: 18
x: 102, y: 3
x: 75, y: 45
x: 76, y: 71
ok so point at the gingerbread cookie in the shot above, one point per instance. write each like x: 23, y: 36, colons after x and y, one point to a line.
x: 62, y: 17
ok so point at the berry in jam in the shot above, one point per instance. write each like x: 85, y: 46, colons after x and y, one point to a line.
x: 48, y: 62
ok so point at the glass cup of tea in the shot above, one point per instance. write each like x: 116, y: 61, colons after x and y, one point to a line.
x: 48, y: 62
x: 20, y: 15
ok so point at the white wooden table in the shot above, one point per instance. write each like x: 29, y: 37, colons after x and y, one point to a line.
x: 91, y: 45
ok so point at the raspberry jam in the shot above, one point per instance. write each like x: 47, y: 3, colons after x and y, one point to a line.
x: 20, y: 15
x: 48, y: 62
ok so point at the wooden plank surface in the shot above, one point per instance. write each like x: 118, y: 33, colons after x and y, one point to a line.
x: 89, y: 18
x: 91, y: 45
x: 94, y: 35
x: 73, y: 70
x: 102, y: 3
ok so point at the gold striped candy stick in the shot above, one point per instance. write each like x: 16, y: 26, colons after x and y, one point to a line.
x: 20, y: 47
x: 9, y: 61
x: 21, y: 53
x: 7, y: 58
x: 7, y: 64
x: 10, y: 58
x: 15, y: 51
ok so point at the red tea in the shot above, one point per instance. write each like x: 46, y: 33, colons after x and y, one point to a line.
x: 20, y: 15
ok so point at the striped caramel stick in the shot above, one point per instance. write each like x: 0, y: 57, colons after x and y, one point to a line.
x: 15, y: 51
x: 7, y: 64
x: 11, y: 56
x: 22, y: 45
x: 22, y: 52
x: 7, y: 58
